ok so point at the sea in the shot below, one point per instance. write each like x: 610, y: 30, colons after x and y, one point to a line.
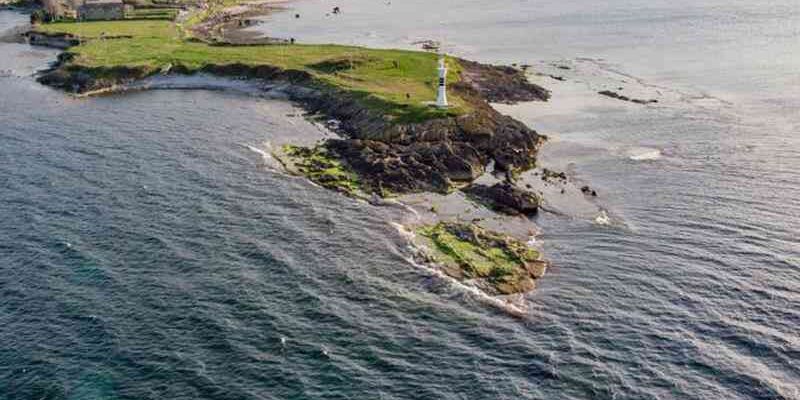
x: 149, y: 248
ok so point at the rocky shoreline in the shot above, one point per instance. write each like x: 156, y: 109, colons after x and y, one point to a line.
x: 438, y: 155
x: 615, y: 95
x: 374, y: 154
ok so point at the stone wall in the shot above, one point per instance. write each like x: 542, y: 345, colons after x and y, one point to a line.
x: 105, y: 11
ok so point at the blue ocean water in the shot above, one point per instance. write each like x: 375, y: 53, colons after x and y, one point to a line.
x: 147, y: 253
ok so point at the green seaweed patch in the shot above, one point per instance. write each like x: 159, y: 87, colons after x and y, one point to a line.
x: 322, y: 167
x: 496, y: 261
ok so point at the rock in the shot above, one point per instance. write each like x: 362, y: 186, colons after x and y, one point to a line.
x: 549, y: 175
x: 520, y: 286
x: 536, y: 269
x: 493, y: 262
x: 54, y: 40
x: 428, y: 44
x: 431, y: 155
x: 506, y: 198
x: 615, y: 95
x: 588, y: 191
x: 499, y: 84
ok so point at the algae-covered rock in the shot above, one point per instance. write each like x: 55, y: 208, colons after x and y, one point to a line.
x: 321, y: 166
x: 495, y: 262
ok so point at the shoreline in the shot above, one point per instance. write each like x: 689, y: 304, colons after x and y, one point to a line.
x: 227, y: 24
x: 463, y: 148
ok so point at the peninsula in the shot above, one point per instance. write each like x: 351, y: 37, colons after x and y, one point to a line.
x: 391, y: 140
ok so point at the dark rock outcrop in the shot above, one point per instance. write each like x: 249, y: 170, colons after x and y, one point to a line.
x: 433, y: 155
x: 615, y: 95
x: 437, y: 154
x: 54, y: 40
x: 588, y: 191
x: 501, y: 84
x: 548, y: 175
x: 82, y: 80
x: 505, y: 197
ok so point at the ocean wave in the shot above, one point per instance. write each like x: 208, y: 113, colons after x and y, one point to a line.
x: 644, y: 154
x: 267, y: 160
x: 602, y: 218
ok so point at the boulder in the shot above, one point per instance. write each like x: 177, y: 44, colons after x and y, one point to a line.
x: 505, y: 197
x: 536, y: 268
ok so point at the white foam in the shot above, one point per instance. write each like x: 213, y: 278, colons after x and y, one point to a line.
x: 645, y: 154
x: 258, y: 151
x: 602, y: 218
x: 406, y: 207
x: 518, y: 309
x: 266, y: 158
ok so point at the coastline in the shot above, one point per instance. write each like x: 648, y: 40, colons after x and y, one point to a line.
x: 387, y: 157
x: 164, y: 225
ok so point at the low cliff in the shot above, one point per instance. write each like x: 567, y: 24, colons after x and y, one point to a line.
x: 389, y: 156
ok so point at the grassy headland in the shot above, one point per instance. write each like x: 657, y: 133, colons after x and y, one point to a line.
x: 393, y: 141
x: 396, y: 82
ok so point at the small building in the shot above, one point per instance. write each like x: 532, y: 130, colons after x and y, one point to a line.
x: 93, y: 10
x: 58, y: 9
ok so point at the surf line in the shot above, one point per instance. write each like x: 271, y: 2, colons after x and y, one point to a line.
x: 516, y: 310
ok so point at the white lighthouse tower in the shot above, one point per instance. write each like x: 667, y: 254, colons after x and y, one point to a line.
x: 441, y: 97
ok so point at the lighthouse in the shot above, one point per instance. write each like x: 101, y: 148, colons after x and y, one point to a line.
x: 441, y: 97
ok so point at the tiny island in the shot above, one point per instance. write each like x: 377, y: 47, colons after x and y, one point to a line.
x: 391, y: 139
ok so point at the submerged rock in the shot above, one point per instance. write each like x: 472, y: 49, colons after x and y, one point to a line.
x: 615, y: 95
x: 505, y: 198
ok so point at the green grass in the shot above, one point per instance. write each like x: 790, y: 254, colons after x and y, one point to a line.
x: 395, y: 82
x: 91, y: 30
x: 151, y: 14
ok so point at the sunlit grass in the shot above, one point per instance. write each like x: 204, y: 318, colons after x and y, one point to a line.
x: 397, y: 82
